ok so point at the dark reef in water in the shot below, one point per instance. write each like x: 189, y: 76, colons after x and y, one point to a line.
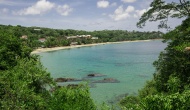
x: 107, y: 80
x: 66, y: 80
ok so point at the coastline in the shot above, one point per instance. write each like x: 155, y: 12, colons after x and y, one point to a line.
x: 40, y: 50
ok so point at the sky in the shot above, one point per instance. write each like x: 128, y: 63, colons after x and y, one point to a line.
x: 86, y: 15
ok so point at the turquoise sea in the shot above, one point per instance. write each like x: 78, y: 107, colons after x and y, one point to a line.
x: 130, y: 63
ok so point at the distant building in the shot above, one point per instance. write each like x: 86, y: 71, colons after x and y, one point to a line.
x: 74, y: 43
x: 79, y: 36
x: 86, y: 36
x: 24, y: 37
x: 42, y: 40
x: 72, y: 37
x: 94, y: 38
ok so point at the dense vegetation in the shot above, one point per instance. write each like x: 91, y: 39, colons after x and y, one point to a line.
x: 170, y: 87
x: 57, y: 37
x: 24, y: 82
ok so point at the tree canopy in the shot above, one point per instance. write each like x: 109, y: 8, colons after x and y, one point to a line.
x: 24, y: 82
x: 58, y: 37
x: 169, y: 89
x: 160, y: 10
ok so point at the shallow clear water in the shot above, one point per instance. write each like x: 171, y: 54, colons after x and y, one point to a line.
x: 130, y: 63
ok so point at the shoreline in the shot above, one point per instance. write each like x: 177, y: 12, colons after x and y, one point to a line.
x: 41, y: 50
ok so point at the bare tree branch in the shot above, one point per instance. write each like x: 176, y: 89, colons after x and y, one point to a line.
x: 164, y: 10
x: 183, y: 3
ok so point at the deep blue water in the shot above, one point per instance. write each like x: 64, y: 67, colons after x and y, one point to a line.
x: 130, y: 63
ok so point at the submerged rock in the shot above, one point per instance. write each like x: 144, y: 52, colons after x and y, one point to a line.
x: 92, y: 85
x: 107, y: 80
x: 143, y: 76
x: 120, y: 64
x: 73, y: 85
x: 66, y: 79
x: 95, y: 75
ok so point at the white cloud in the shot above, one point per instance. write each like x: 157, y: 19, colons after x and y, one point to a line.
x: 140, y: 12
x: 103, y: 4
x: 40, y: 7
x: 113, y: 4
x: 15, y: 2
x: 104, y: 14
x: 128, y: 1
x: 130, y: 9
x: 64, y: 10
x: 8, y: 2
x: 119, y: 10
x: 135, y: 16
x: 4, y: 11
x: 121, y: 14
x: 1, y: 1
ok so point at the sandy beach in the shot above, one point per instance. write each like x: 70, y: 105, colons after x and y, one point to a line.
x: 39, y: 50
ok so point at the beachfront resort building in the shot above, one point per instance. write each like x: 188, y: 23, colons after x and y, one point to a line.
x: 79, y: 36
x: 73, y: 43
x: 94, y: 38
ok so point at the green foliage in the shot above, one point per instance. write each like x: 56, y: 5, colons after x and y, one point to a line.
x: 23, y: 86
x: 174, y: 101
x: 174, y: 60
x: 104, y: 106
x: 57, y: 37
x: 148, y: 89
x: 11, y: 49
x: 169, y: 90
x: 24, y: 82
x: 130, y: 103
x: 72, y: 98
x: 174, y: 84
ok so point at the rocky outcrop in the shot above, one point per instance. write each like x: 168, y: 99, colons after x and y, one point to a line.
x: 107, y: 80
x: 66, y: 79
x: 92, y: 85
x: 73, y: 85
x: 95, y: 75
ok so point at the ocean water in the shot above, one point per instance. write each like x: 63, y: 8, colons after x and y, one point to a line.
x: 130, y: 63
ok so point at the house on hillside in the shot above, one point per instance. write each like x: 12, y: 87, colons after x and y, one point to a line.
x: 24, y: 37
x: 42, y: 40
x: 78, y: 36
x: 73, y: 43
x: 94, y: 38
x: 86, y: 36
x: 72, y: 37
